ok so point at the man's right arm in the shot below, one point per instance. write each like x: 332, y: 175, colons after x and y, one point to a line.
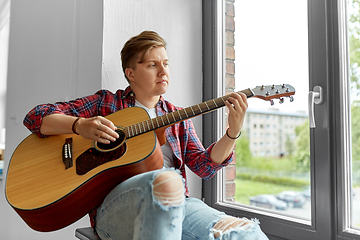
x: 96, y: 128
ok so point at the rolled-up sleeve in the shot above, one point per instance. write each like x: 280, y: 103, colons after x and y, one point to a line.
x: 81, y: 107
x: 192, y: 152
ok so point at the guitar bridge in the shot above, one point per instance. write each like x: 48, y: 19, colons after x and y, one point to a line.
x: 67, y: 153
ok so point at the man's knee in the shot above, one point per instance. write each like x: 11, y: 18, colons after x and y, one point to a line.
x: 168, y: 188
x: 228, y: 223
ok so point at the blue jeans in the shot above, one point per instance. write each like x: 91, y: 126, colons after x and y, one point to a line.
x: 131, y: 211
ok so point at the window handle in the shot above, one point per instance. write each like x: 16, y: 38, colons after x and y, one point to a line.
x: 315, y: 97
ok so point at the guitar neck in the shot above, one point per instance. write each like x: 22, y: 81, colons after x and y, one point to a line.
x: 180, y: 115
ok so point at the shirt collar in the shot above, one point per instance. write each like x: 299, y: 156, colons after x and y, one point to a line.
x: 128, y: 93
x: 162, y: 104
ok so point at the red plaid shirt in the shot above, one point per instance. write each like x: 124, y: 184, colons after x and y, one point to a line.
x: 182, y: 137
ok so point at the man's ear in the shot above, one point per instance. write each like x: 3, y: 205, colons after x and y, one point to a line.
x: 129, y: 72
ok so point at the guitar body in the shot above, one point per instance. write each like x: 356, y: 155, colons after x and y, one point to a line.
x: 49, y: 197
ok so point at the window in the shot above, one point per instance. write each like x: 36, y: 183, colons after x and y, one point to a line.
x: 332, y: 196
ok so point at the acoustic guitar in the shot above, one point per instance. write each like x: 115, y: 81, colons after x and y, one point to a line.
x: 52, y: 182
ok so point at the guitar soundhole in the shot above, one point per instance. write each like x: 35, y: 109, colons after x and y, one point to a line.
x: 112, y: 145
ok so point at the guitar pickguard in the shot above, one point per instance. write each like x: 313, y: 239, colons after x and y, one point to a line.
x: 93, y: 158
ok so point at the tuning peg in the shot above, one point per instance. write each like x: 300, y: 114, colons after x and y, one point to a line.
x: 281, y: 100
x: 291, y: 98
x: 271, y: 102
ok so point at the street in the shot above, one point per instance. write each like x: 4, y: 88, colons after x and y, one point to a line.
x: 305, y: 211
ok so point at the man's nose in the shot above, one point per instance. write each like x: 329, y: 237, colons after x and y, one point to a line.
x: 162, y: 70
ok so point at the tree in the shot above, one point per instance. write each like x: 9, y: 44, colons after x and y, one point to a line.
x: 354, y: 44
x: 242, y: 151
x: 354, y: 52
x: 302, y: 154
x: 355, y: 130
x: 289, y: 145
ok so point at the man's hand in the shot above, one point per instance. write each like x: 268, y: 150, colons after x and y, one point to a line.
x: 237, y: 105
x: 97, y: 128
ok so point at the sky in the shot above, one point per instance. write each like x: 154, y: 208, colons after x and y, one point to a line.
x: 271, y: 47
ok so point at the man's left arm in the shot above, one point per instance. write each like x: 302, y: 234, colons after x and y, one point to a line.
x: 237, y: 105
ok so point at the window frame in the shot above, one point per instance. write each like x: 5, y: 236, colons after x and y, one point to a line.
x: 328, y: 67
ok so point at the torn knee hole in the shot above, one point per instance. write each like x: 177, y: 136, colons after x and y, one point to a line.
x: 228, y: 223
x: 168, y: 188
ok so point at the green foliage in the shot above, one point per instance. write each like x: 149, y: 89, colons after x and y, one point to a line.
x: 289, y: 145
x: 242, y: 151
x: 302, y: 154
x: 354, y: 43
x: 273, y: 180
x: 355, y: 127
x: 272, y: 163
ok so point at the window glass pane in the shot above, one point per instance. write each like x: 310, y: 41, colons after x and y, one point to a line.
x: 354, y: 47
x: 273, y: 154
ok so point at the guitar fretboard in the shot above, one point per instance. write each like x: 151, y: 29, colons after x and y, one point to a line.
x: 178, y: 116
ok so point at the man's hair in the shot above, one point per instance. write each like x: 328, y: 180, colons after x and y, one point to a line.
x: 139, y: 45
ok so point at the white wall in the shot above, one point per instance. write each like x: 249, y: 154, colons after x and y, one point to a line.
x: 55, y: 53
x: 4, y: 42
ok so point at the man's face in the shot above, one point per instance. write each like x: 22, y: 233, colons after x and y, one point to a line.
x: 151, y: 77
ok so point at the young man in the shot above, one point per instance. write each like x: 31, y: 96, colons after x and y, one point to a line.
x: 155, y: 204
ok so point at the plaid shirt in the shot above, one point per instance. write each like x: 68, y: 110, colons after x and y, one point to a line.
x: 181, y: 136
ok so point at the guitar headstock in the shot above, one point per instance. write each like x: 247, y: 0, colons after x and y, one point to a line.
x: 269, y: 92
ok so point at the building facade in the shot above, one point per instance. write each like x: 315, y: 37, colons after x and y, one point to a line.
x: 271, y: 132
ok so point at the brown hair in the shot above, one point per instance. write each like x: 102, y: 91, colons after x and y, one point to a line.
x: 140, y: 44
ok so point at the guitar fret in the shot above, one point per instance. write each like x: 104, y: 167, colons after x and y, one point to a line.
x: 147, y: 122
x: 221, y: 101
x: 207, y: 106
x: 172, y: 113
x: 157, y: 122
x: 186, y: 113
x: 167, y: 118
x: 192, y: 110
x: 178, y: 112
x: 162, y: 120
x: 199, y: 108
x: 143, y: 126
x: 215, y: 103
x: 135, y: 130
x: 132, y: 130
x: 152, y: 123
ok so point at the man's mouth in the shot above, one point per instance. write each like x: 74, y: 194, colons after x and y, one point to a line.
x: 164, y: 79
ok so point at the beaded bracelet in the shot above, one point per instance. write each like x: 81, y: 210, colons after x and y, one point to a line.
x: 227, y: 134
x: 74, y: 125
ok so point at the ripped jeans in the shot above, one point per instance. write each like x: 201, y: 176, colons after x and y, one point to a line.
x: 137, y: 209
